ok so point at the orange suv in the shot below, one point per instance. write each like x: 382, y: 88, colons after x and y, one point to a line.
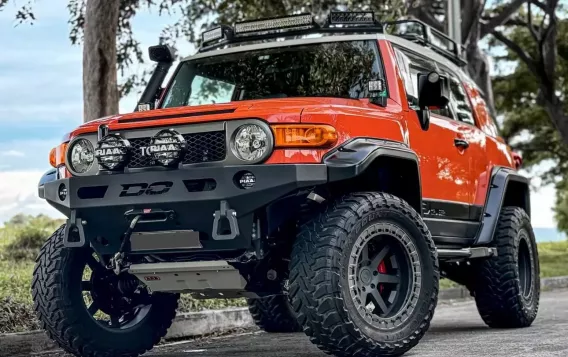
x: 327, y: 172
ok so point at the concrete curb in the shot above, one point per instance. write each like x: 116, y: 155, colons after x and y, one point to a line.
x: 204, y: 323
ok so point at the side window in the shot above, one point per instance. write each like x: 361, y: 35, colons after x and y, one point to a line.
x: 411, y: 65
x: 460, y: 101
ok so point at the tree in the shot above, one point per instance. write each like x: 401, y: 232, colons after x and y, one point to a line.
x: 527, y: 126
x: 100, y: 91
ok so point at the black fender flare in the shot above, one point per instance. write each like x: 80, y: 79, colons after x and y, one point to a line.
x: 353, y: 157
x: 506, y: 187
x: 49, y: 176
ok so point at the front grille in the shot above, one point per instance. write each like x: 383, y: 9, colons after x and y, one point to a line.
x: 201, y: 147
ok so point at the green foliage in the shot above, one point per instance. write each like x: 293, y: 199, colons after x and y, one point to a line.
x: 23, y: 236
x: 527, y: 125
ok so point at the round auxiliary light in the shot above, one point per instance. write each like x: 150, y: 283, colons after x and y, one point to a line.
x: 81, y: 156
x: 113, y: 152
x: 245, y: 179
x: 168, y: 147
x: 433, y: 77
x: 250, y: 142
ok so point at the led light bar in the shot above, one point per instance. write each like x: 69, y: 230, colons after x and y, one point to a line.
x: 212, y: 35
x: 351, y: 17
x: 296, y: 21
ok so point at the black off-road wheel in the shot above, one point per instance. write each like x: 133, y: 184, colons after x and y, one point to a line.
x: 364, y: 276
x: 90, y: 311
x: 507, y: 286
x: 273, y: 314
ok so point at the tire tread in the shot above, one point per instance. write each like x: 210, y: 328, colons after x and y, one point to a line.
x: 315, y: 281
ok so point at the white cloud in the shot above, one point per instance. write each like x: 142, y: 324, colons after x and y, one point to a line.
x: 18, y: 194
x: 13, y: 153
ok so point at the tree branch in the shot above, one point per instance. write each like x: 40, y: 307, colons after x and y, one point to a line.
x: 524, y: 56
x: 501, y: 18
x: 421, y: 10
x: 538, y: 4
x: 530, y: 23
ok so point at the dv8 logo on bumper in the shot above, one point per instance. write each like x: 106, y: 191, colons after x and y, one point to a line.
x: 139, y: 189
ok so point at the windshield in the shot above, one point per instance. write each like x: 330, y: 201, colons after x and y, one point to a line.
x: 336, y: 69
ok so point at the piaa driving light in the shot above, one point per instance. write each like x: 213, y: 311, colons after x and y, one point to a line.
x: 113, y: 152
x: 340, y: 17
x: 80, y: 156
x: 168, y: 147
x: 300, y: 21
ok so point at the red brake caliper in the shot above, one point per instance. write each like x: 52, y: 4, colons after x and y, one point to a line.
x: 382, y: 270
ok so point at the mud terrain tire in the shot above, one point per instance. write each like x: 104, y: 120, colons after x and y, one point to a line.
x: 507, y: 288
x: 273, y: 314
x: 320, y: 277
x: 59, y: 306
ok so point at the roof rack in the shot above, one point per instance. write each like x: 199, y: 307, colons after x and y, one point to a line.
x: 419, y: 32
x: 337, y: 22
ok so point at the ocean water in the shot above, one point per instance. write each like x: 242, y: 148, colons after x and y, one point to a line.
x: 548, y: 235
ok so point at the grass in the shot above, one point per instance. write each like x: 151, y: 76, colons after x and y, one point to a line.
x: 16, y: 273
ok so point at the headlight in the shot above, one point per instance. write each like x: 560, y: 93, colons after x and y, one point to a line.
x: 80, y: 156
x: 113, y: 152
x: 168, y: 147
x: 251, y: 142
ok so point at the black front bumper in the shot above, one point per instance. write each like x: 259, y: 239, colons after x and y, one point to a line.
x: 99, y: 203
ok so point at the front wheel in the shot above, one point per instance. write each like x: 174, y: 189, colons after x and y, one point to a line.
x: 364, y: 276
x: 91, y: 312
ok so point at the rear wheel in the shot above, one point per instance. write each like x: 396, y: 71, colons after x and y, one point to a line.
x: 507, y: 286
x: 273, y: 314
x: 90, y: 311
x: 364, y: 276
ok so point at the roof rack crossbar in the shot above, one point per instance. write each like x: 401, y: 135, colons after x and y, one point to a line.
x: 354, y: 22
x: 429, y: 37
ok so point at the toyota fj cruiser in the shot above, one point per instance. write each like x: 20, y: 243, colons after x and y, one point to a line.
x: 330, y: 173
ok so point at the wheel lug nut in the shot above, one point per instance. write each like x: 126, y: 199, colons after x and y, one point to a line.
x: 375, y: 273
x: 372, y: 286
x: 363, y: 288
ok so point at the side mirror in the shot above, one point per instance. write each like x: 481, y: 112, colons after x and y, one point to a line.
x: 433, y: 92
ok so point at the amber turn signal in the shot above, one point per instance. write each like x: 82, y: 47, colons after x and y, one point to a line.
x: 304, y: 135
x: 57, y: 155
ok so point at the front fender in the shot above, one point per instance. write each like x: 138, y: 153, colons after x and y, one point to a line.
x: 388, y: 166
x: 354, y: 156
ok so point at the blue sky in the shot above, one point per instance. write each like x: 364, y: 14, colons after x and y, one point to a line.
x: 41, y: 99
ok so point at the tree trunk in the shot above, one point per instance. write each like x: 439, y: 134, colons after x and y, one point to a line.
x: 555, y: 110
x: 100, y: 86
x: 478, y: 66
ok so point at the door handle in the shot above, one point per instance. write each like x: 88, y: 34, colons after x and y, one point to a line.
x: 461, y: 143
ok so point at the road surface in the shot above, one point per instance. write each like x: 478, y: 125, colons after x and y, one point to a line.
x: 456, y: 331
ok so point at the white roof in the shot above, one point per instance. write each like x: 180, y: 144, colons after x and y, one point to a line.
x: 336, y: 38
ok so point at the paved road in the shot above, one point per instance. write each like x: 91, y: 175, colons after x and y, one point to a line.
x: 457, y: 331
